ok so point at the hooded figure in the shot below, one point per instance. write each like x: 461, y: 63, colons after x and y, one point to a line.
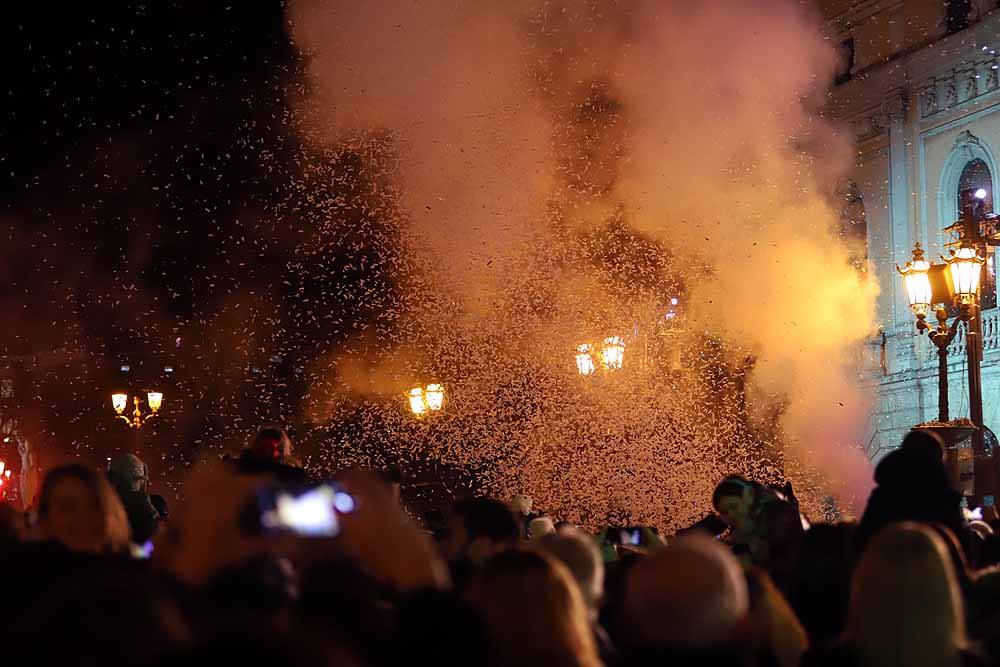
x: 129, y: 476
x: 913, y: 485
x: 271, y: 444
x: 271, y: 452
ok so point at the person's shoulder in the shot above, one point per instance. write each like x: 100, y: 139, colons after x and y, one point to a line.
x: 778, y: 509
x: 678, y: 657
x: 837, y: 655
x: 248, y: 464
x: 975, y: 657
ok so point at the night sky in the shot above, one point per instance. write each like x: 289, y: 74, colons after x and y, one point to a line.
x: 160, y: 209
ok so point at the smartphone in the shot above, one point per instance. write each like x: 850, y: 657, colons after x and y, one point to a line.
x: 631, y: 537
x: 988, y: 501
x: 311, y: 511
x: 143, y: 551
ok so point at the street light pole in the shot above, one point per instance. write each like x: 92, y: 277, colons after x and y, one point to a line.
x: 916, y: 278
x: 974, y: 354
x: 959, y: 281
x: 942, y: 338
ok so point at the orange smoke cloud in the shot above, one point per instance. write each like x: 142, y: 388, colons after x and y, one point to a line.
x: 524, y: 124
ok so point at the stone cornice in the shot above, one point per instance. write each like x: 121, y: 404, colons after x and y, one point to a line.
x: 873, y: 122
x: 941, y: 74
x: 954, y: 87
x: 842, y: 23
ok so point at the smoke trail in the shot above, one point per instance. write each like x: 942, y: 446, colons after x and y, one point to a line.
x: 566, y: 168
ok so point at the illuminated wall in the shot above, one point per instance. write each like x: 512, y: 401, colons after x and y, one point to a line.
x: 920, y: 111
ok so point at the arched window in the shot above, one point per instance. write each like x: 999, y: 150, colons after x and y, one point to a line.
x: 854, y: 224
x: 976, y: 175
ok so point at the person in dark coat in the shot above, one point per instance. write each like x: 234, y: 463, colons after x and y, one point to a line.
x: 270, y: 452
x: 913, y: 485
x: 130, y: 477
x: 765, y: 525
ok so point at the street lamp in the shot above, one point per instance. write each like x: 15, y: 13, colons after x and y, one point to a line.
x: 958, y: 279
x: 417, y: 403
x: 119, y: 401
x: 585, y: 360
x: 426, y: 399
x: 613, y: 354
x: 966, y: 269
x: 918, y: 283
x: 434, y: 395
x: 962, y: 285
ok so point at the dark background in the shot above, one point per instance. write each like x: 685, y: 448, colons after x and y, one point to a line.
x: 159, y: 209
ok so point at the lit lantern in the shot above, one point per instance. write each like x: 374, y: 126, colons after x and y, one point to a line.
x: 2, y: 465
x: 613, y: 353
x: 966, y: 269
x: 917, y: 281
x: 585, y: 360
x: 434, y: 396
x: 155, y: 400
x: 418, y: 405
x: 119, y: 401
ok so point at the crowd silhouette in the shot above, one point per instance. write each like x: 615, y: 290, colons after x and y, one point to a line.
x: 259, y: 564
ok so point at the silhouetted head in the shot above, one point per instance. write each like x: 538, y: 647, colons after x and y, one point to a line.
x: 925, y: 442
x: 579, y: 553
x: 78, y: 507
x: 128, y: 472
x: 691, y: 595
x: 477, y: 527
x: 733, y: 499
x: 271, y: 444
x: 906, y: 606
x: 533, y: 610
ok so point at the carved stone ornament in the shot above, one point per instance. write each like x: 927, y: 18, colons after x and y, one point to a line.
x: 950, y: 93
x: 964, y: 140
x: 929, y: 100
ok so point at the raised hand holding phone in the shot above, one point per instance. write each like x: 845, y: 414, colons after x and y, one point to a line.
x: 206, y: 532
x: 383, y: 540
x: 311, y: 511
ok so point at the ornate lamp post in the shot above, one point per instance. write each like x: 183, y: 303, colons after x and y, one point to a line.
x: 958, y: 279
x: 611, y: 355
x: 424, y: 400
x: 918, y: 289
x: 119, y: 401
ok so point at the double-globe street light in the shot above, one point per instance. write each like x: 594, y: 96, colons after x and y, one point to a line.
x: 611, y: 356
x: 426, y: 400
x: 957, y: 280
x: 119, y: 401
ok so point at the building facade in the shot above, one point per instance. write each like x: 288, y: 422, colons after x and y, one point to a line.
x: 918, y: 89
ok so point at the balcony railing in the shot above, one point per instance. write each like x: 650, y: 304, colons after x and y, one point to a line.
x: 991, y: 338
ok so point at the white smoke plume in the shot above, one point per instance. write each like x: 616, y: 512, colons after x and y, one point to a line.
x: 561, y: 167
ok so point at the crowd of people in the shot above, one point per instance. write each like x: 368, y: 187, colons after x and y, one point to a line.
x: 99, y: 572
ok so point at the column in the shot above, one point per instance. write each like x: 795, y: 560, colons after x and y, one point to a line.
x: 904, y: 233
